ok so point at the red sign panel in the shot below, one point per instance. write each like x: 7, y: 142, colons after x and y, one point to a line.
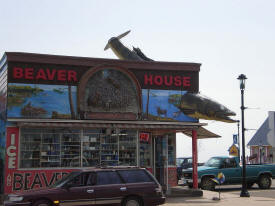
x: 144, y: 137
x: 18, y: 179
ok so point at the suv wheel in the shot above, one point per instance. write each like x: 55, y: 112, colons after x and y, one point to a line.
x: 132, y: 201
x: 42, y: 203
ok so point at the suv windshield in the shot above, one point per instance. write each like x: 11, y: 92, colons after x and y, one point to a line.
x: 213, y: 162
x: 65, y: 179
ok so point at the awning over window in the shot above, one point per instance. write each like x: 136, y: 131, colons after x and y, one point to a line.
x: 154, y: 127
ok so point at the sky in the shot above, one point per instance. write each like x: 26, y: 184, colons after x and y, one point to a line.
x: 228, y: 38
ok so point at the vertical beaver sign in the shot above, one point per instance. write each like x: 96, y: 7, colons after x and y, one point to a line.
x: 109, y: 93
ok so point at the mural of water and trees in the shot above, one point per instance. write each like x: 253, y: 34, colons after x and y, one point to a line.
x: 157, y: 105
x: 41, y: 101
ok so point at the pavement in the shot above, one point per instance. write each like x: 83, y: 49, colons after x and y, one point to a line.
x: 226, y: 199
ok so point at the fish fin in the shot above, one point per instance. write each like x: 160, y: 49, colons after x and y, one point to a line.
x: 123, y: 35
x: 141, y: 54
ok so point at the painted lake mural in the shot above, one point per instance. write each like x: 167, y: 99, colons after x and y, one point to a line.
x: 157, y: 105
x: 41, y: 101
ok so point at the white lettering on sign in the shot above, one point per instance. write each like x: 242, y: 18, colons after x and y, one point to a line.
x: 11, y: 152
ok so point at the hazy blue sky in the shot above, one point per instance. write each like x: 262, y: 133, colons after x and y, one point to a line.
x: 228, y: 37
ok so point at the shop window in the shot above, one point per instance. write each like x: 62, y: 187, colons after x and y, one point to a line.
x: 171, y: 149
x: 127, y: 148
x: 69, y: 148
x: 91, y: 148
x: 145, y: 149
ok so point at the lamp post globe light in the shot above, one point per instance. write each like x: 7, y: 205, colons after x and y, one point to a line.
x: 244, y: 192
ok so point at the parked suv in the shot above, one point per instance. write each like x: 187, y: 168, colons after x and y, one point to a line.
x: 97, y: 186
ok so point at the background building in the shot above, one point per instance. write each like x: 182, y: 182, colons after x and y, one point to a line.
x: 262, y: 144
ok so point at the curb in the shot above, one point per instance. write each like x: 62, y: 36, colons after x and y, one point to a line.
x: 181, y: 192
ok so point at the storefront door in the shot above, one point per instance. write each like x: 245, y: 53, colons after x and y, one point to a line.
x: 160, y: 160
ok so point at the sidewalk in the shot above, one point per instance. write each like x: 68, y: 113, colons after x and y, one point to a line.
x: 227, y: 199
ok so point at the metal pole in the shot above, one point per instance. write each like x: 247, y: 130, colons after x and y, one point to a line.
x: 244, y: 192
x: 239, y: 152
x: 195, y: 159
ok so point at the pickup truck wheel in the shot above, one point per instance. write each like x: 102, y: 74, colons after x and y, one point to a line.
x: 264, y: 182
x: 42, y: 203
x: 207, y: 184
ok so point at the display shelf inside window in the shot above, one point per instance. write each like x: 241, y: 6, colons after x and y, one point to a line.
x: 145, y: 148
x: 171, y: 150
x: 30, y: 145
x: 127, y: 148
x: 70, y: 150
x: 50, y: 150
x: 109, y: 150
x: 91, y: 148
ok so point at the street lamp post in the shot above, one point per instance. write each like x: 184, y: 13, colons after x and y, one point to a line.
x: 239, y: 140
x: 244, y: 192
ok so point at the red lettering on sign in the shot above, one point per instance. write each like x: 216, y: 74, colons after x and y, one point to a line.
x: 148, y: 79
x: 186, y: 81
x: 28, y: 73
x: 177, y: 80
x: 72, y: 76
x: 158, y: 80
x: 50, y: 74
x: 61, y: 75
x: 166, y: 80
x: 17, y: 73
x: 44, y: 74
x: 41, y: 74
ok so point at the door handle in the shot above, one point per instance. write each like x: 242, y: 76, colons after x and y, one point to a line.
x: 123, y: 189
x: 90, y: 191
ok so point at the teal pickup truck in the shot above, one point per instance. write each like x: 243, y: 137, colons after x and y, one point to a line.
x: 230, y: 167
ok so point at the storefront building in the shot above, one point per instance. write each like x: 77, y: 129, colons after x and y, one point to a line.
x: 62, y: 113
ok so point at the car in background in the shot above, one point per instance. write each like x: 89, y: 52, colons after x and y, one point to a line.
x: 183, y: 163
x: 96, y: 186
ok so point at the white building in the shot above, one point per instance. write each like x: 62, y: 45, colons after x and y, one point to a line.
x: 262, y: 144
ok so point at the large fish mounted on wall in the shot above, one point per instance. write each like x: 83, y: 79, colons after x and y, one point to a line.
x: 191, y: 104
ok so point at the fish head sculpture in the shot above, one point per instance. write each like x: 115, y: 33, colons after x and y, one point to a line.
x: 205, y: 108
x: 201, y: 107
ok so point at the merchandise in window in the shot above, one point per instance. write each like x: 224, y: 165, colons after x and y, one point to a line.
x: 171, y: 149
x: 127, y: 148
x: 91, y: 148
x: 42, y: 148
x: 145, y: 150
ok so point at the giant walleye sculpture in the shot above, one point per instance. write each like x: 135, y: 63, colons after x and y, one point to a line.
x: 191, y: 104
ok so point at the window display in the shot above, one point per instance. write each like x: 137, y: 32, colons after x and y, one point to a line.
x: 91, y: 148
x: 42, y: 148
x: 145, y: 150
x: 171, y: 149
x: 127, y: 148
x: 70, y: 149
